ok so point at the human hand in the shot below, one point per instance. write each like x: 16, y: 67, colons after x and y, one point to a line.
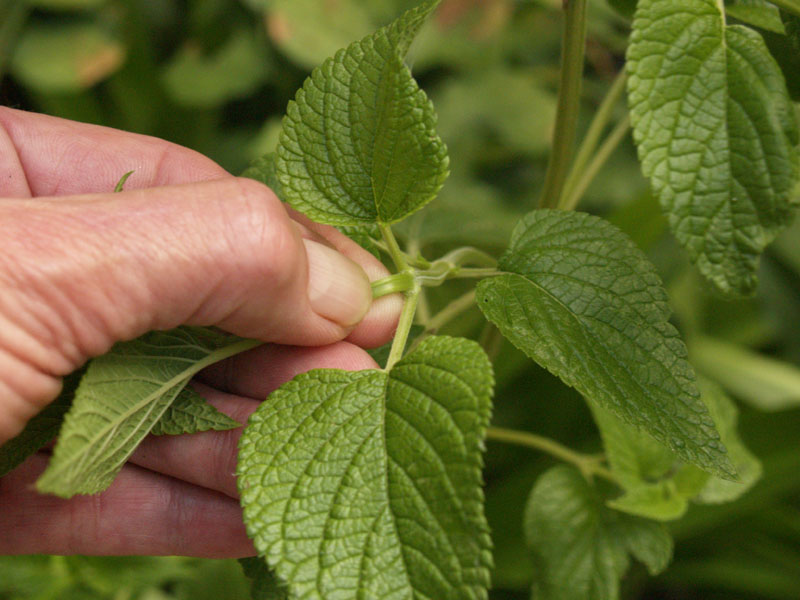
x: 83, y: 268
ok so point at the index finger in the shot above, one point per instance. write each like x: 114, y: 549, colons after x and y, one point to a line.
x: 48, y: 156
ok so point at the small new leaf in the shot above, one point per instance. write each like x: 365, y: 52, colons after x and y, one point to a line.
x: 716, y: 133
x: 358, y: 144
x: 190, y: 413
x: 657, y: 484
x: 582, y: 301
x: 579, y: 546
x: 264, y: 583
x: 120, y: 399
x: 368, y: 484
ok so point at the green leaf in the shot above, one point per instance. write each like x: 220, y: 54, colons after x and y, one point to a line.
x: 41, y: 429
x: 308, y: 31
x: 716, y: 134
x: 368, y: 484
x: 582, y: 301
x: 579, y: 546
x: 359, y: 144
x: 65, y: 58
x: 190, y: 413
x: 234, y: 70
x: 759, y: 13
x: 657, y: 484
x: 265, y: 584
x: 748, y: 467
x: 763, y: 382
x: 120, y: 399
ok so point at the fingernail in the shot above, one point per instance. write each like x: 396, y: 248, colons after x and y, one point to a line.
x: 338, y: 288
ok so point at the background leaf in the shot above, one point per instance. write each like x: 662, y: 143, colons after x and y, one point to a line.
x: 233, y: 70
x: 582, y: 301
x: 581, y: 548
x: 716, y: 134
x: 335, y: 471
x: 66, y: 58
x: 120, y: 399
x: 359, y: 144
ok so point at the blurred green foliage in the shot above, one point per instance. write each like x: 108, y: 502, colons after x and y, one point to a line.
x: 215, y: 75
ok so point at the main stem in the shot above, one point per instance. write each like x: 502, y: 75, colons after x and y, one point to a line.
x: 591, y: 139
x: 588, y: 465
x: 411, y: 299
x: 569, y: 92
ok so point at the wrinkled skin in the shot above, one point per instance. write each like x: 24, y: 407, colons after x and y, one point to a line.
x: 186, y: 243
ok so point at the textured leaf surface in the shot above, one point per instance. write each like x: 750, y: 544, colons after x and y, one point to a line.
x: 368, y: 484
x: 190, y: 413
x: 579, y: 546
x: 41, y: 429
x: 359, y: 143
x: 581, y: 300
x: 716, y: 134
x: 120, y: 399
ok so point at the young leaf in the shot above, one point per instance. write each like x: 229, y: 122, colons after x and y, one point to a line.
x: 359, y: 143
x: 579, y: 546
x: 657, y: 484
x: 759, y: 13
x: 190, y: 413
x: 265, y: 584
x: 41, y: 429
x: 581, y: 300
x: 368, y: 484
x: 748, y: 467
x: 120, y: 399
x: 716, y: 134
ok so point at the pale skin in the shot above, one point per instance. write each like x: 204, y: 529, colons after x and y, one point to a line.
x: 186, y: 243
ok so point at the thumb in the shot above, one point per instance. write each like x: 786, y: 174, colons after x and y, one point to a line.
x: 83, y: 272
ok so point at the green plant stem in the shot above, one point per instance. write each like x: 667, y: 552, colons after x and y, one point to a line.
x: 588, y: 465
x: 451, y: 311
x: 469, y: 255
x: 592, y: 138
x: 403, y: 327
x: 393, y: 248
x: 790, y: 6
x: 576, y: 191
x: 569, y: 92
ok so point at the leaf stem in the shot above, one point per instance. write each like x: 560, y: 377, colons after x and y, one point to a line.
x: 592, y: 137
x: 393, y: 248
x: 790, y: 6
x: 399, y: 282
x: 586, y: 464
x: 569, y: 92
x: 573, y: 195
x: 403, y: 327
